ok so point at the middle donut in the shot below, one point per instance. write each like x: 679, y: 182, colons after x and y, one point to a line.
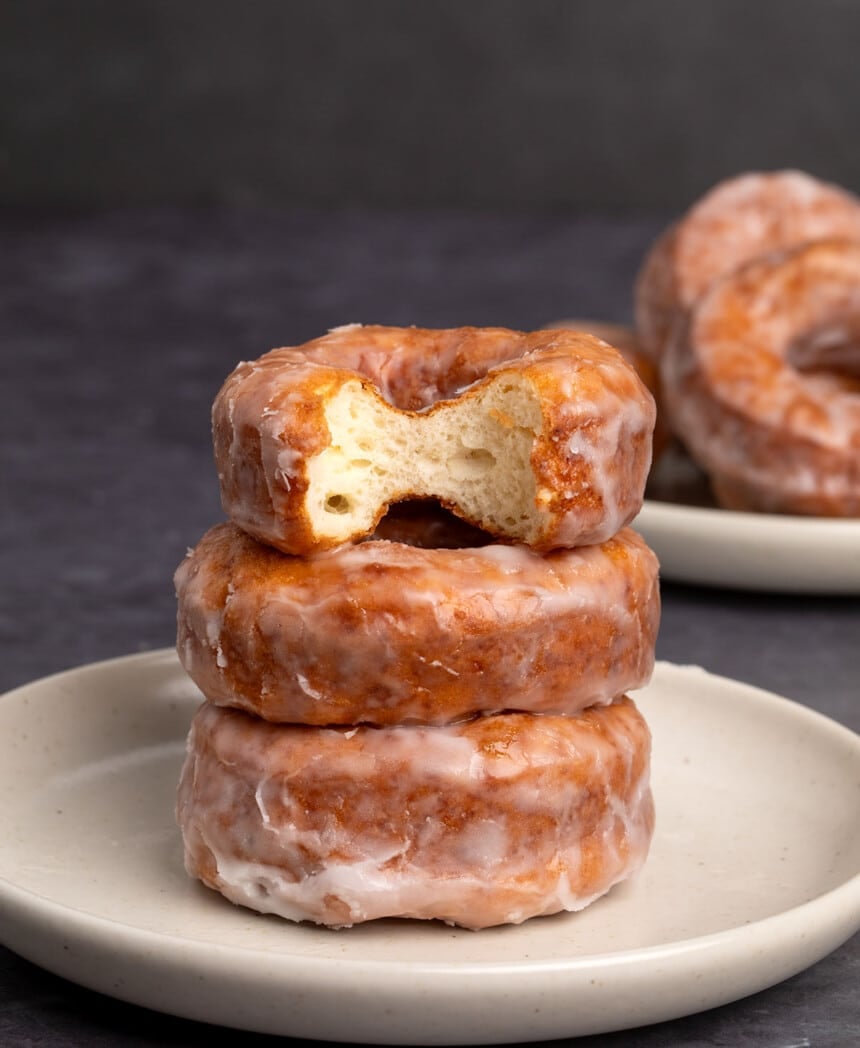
x: 385, y: 632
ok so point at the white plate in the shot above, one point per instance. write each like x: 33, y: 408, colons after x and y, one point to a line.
x: 698, y: 542
x: 754, y: 875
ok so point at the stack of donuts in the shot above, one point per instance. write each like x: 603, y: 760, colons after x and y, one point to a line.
x: 416, y: 632
x: 749, y: 308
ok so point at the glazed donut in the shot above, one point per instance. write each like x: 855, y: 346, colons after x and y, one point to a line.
x: 738, y: 220
x: 491, y: 821
x: 773, y: 437
x: 540, y: 438
x: 384, y: 632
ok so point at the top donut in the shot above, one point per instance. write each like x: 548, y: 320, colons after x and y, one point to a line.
x: 541, y: 438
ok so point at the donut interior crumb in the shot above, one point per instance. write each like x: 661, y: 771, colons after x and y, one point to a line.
x: 473, y: 452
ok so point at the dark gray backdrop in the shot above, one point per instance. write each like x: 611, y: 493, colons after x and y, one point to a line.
x: 513, y: 103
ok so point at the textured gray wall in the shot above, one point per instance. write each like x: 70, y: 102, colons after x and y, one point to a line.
x: 619, y: 103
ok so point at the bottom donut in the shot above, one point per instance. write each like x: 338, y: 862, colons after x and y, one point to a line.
x: 489, y: 821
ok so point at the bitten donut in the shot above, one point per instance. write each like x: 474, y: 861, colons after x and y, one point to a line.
x: 385, y: 632
x: 491, y: 821
x: 771, y: 436
x: 541, y: 438
x: 738, y: 220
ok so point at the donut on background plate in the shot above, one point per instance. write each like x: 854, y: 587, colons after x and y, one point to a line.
x: 738, y: 220
x: 772, y: 434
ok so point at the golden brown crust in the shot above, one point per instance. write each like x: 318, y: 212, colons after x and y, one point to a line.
x: 494, y: 820
x: 385, y: 632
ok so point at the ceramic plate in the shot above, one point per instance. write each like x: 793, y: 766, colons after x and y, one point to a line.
x: 700, y: 543
x: 754, y: 874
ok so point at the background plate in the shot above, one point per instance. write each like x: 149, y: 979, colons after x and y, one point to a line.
x: 698, y: 542
x: 754, y: 874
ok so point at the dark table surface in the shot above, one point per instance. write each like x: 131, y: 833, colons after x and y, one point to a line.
x: 117, y: 329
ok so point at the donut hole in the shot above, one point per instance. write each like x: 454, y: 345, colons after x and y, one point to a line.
x: 427, y: 524
x: 831, y: 348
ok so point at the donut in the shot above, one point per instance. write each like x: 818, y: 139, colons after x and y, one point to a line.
x: 771, y: 435
x: 541, y: 438
x: 387, y: 632
x: 490, y: 821
x: 738, y: 220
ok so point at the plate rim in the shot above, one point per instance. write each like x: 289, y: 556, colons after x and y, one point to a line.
x: 732, y: 549
x: 754, y: 521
